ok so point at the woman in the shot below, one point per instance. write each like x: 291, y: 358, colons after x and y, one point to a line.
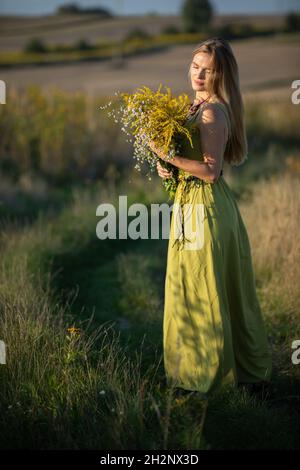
x: 214, y: 332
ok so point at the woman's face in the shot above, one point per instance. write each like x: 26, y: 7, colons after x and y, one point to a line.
x: 201, y: 69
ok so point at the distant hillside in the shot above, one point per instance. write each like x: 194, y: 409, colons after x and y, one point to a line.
x: 67, y: 28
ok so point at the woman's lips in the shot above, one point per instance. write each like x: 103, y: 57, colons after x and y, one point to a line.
x: 199, y: 82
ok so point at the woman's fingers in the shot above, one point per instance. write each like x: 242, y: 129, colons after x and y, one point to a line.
x: 162, y: 172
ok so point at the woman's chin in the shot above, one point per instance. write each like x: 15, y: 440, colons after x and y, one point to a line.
x: 198, y: 87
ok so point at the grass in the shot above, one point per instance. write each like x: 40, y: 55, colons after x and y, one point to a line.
x: 104, y: 387
x: 51, y: 141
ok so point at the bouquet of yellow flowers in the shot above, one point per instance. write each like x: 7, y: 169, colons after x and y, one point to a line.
x: 156, y: 117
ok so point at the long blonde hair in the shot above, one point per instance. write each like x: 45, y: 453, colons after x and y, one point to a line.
x: 224, y: 83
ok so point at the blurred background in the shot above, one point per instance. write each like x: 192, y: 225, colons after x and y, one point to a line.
x: 61, y: 156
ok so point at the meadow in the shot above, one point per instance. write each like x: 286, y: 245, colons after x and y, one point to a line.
x: 82, y: 317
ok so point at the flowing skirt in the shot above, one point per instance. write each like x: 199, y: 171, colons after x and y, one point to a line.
x: 213, y: 329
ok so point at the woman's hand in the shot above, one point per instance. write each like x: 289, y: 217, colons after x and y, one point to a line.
x: 158, y: 151
x: 162, y: 172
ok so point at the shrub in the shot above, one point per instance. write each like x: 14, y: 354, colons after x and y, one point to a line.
x: 83, y: 45
x: 170, y: 29
x: 35, y: 45
x: 292, y: 21
x: 137, y: 33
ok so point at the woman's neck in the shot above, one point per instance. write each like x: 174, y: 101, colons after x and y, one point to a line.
x: 203, y: 96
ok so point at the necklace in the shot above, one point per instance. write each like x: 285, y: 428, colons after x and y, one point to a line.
x: 195, y: 107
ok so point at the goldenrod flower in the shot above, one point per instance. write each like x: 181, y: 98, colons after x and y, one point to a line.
x: 74, y: 331
x: 155, y: 118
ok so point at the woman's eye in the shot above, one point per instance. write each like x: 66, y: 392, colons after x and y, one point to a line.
x: 196, y: 68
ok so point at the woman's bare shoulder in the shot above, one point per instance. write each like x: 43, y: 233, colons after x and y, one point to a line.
x: 212, y: 112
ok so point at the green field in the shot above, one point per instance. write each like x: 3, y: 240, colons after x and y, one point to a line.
x: 105, y: 388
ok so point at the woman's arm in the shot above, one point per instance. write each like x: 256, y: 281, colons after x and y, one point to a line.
x: 212, y: 124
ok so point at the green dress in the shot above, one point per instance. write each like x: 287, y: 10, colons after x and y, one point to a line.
x: 213, y: 329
